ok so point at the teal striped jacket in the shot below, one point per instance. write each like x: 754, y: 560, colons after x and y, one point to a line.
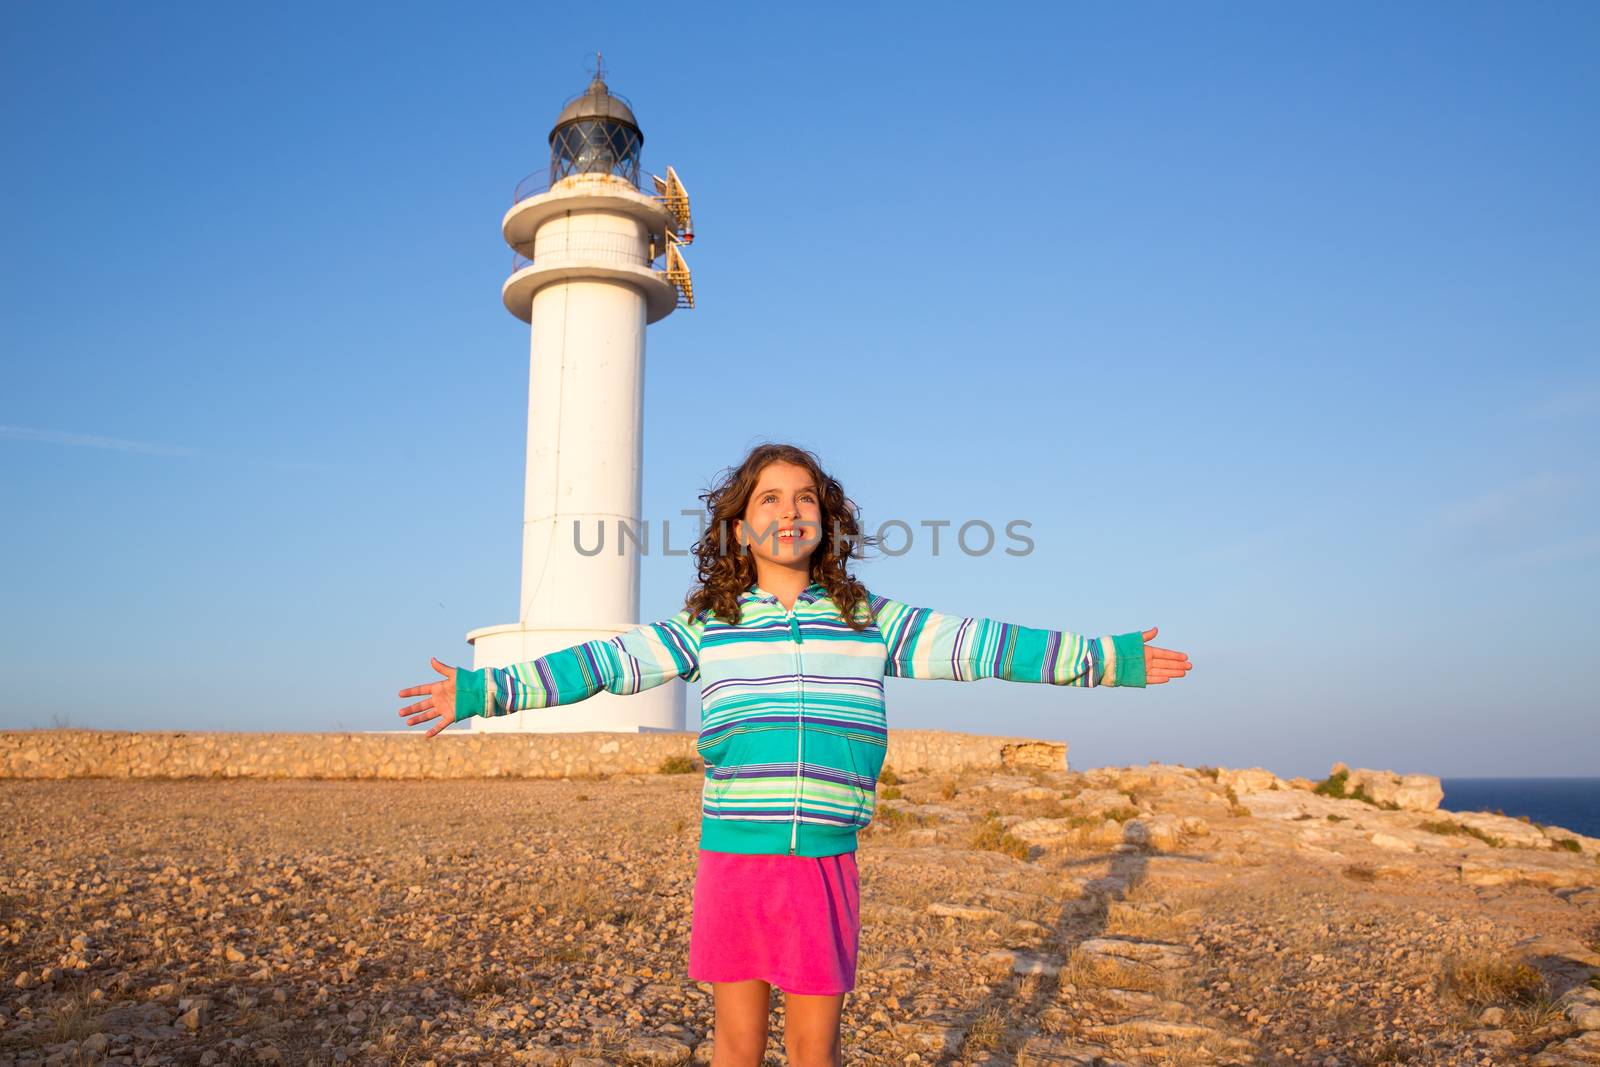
x: 792, y: 724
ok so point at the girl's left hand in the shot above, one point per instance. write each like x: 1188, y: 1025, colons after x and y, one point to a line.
x: 1163, y: 664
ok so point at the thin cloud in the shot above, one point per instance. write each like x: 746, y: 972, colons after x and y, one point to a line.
x: 1567, y: 552
x: 83, y: 440
x: 1583, y: 400
x: 1512, y: 504
x: 122, y: 444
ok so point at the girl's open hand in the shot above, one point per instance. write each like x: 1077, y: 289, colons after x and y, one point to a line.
x: 1162, y: 664
x: 440, y: 699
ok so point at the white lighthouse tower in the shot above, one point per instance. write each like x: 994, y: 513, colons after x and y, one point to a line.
x: 588, y: 235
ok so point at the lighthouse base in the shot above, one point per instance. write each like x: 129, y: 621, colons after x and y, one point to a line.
x: 659, y: 708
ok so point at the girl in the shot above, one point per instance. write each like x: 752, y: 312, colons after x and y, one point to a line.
x: 791, y: 651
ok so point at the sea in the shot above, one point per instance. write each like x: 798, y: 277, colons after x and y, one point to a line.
x: 1570, y: 803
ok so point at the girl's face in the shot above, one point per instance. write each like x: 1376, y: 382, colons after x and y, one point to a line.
x: 783, y: 520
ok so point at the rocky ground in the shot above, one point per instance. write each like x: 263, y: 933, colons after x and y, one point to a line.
x: 1143, y: 915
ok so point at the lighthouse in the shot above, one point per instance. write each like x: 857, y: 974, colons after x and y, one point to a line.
x: 596, y: 259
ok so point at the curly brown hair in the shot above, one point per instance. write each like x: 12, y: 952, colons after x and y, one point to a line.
x: 725, y: 571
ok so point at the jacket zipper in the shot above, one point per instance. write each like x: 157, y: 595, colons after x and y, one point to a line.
x: 796, y: 641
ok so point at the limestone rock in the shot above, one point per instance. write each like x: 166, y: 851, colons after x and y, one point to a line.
x: 1249, y: 780
x: 1527, y: 868
x: 1586, y: 845
x: 1019, y: 962
x: 1579, y: 1051
x: 1031, y: 754
x: 938, y: 1034
x: 1159, y: 832
x: 1000, y: 783
x: 1043, y: 831
x: 1582, y: 1008
x: 964, y: 911
x: 1504, y: 829
x: 657, y: 1051
x: 1042, y: 1051
x: 1391, y: 842
x: 1155, y: 954
x: 1145, y: 1029
x: 1293, y: 805
x: 1100, y: 801
x: 1498, y: 1038
x: 1131, y: 1001
x: 1408, y: 792
x: 1156, y: 778
x: 941, y: 812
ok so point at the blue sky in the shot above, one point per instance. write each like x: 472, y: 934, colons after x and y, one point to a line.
x: 1278, y: 324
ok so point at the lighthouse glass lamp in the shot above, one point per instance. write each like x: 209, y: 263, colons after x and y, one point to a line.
x: 596, y: 258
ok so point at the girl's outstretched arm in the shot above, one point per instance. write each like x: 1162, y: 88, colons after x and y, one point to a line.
x: 923, y: 643
x: 631, y: 662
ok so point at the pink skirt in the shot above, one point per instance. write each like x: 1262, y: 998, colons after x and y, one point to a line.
x: 792, y: 921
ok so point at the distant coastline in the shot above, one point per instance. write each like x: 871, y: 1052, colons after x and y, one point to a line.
x: 1571, y: 803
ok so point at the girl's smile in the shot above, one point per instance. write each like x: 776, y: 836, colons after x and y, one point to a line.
x: 783, y: 522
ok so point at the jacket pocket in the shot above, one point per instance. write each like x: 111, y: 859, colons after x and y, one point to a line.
x: 727, y: 756
x: 863, y: 760
x: 711, y: 794
x: 869, y: 801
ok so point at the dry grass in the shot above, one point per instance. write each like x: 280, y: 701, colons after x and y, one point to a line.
x: 74, y: 1017
x: 1537, y: 1014
x: 1482, y: 979
x: 1235, y: 809
x: 480, y: 982
x: 1089, y: 973
x: 916, y: 894
x: 1456, y: 829
x: 994, y: 1025
x: 889, y: 821
x: 1130, y: 919
x: 1388, y: 1054
x: 990, y: 835
x: 572, y: 893
x: 987, y: 1031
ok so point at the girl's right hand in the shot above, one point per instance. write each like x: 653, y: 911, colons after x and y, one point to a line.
x: 440, y: 702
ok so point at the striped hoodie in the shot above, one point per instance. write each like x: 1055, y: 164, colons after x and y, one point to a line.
x: 792, y: 723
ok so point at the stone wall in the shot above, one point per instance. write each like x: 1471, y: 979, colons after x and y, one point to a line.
x: 452, y: 754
